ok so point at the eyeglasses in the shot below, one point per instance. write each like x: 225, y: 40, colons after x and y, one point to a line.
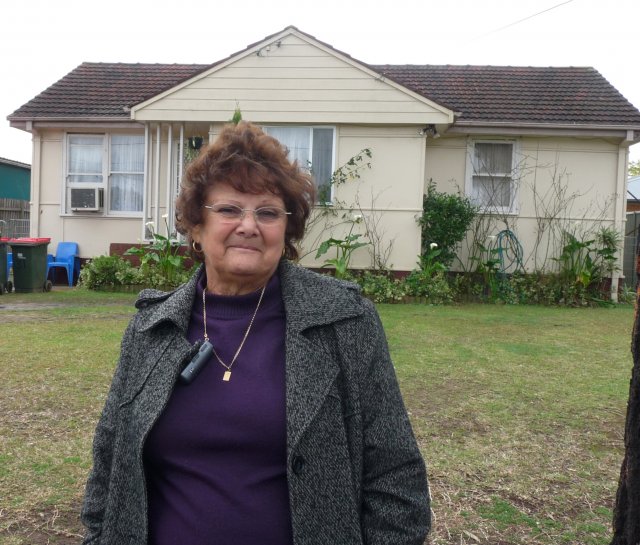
x: 230, y: 213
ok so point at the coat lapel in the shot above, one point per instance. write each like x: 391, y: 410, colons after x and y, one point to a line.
x: 311, y: 301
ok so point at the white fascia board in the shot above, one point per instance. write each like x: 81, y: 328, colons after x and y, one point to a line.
x: 540, y: 129
x: 29, y: 124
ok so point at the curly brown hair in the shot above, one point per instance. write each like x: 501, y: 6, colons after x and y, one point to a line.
x: 250, y: 161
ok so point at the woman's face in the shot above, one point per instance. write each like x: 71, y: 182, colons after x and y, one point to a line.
x: 240, y: 256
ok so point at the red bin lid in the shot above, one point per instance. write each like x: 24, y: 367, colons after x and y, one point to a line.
x: 29, y: 241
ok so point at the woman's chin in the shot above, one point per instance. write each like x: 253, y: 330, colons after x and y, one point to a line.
x: 248, y: 267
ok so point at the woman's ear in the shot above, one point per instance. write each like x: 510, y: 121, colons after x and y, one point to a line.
x: 196, y: 233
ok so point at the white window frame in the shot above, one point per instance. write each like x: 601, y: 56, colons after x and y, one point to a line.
x: 333, y: 148
x: 105, y: 184
x: 513, y: 207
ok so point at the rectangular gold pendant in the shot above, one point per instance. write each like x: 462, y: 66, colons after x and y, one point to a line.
x: 227, y: 376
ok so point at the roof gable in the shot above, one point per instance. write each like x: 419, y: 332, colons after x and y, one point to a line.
x: 292, y: 77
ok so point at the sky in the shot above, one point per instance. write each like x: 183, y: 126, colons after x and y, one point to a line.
x: 42, y: 40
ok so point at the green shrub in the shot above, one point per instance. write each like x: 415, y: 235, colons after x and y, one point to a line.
x: 108, y: 271
x: 433, y: 287
x: 381, y: 287
x: 445, y: 220
x: 154, y: 276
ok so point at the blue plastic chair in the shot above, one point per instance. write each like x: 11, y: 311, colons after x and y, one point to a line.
x: 67, y: 258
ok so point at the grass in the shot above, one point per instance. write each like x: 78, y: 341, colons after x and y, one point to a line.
x: 519, y: 412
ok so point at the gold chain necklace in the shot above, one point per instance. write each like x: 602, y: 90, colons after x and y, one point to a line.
x: 227, y: 374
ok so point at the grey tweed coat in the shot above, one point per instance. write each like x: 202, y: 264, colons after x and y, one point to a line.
x: 355, y: 473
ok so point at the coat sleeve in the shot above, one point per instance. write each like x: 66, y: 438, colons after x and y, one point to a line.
x: 97, y: 487
x: 395, y: 493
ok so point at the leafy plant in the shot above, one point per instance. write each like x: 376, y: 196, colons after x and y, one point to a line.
x: 344, y: 250
x: 430, y: 263
x: 382, y: 287
x: 584, y: 264
x: 108, y: 271
x: 237, y: 115
x: 488, y: 267
x: 445, y: 220
x: 609, y: 242
x: 161, y: 262
x: 433, y: 287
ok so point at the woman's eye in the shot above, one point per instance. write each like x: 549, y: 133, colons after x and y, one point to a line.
x: 229, y: 211
x: 268, y: 214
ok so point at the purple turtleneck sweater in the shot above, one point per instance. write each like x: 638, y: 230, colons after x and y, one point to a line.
x: 215, y: 460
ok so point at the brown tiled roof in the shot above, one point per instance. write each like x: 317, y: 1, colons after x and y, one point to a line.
x: 555, y: 95
x: 105, y: 90
x: 564, y: 95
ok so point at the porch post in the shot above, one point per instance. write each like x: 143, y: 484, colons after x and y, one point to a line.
x: 145, y: 185
x: 168, y: 204
x: 156, y: 178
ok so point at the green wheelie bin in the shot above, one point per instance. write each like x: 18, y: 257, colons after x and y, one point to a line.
x: 30, y: 264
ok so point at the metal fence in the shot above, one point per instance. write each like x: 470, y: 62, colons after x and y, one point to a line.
x: 15, y: 215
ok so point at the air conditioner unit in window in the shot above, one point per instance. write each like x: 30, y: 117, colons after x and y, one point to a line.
x: 86, y: 199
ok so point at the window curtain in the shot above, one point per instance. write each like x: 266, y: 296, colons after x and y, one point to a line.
x: 492, y: 158
x: 492, y: 166
x: 313, y: 149
x: 127, y: 173
x: 85, y: 159
x: 297, y: 140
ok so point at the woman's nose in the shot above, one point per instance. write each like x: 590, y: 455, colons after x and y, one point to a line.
x: 248, y: 223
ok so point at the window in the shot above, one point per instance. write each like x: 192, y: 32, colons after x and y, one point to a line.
x: 127, y: 173
x: 312, y: 147
x: 490, y: 175
x: 113, y: 163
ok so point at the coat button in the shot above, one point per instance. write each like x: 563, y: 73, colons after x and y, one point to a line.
x: 297, y: 464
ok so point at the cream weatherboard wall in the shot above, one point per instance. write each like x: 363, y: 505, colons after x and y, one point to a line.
x: 292, y: 79
x: 579, y: 172
x: 389, y: 194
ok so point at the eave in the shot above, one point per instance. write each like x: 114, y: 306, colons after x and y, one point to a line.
x: 28, y: 124
x: 625, y: 132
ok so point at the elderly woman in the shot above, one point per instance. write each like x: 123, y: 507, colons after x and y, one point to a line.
x: 257, y: 403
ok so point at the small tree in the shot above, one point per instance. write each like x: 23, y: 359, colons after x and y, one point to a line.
x: 445, y: 220
x: 634, y: 168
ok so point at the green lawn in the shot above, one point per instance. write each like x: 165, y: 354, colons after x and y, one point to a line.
x: 519, y: 412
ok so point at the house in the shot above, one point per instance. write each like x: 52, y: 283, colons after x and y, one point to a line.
x: 15, y: 180
x: 536, y: 148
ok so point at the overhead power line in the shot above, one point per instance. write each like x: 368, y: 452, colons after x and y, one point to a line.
x: 522, y: 20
